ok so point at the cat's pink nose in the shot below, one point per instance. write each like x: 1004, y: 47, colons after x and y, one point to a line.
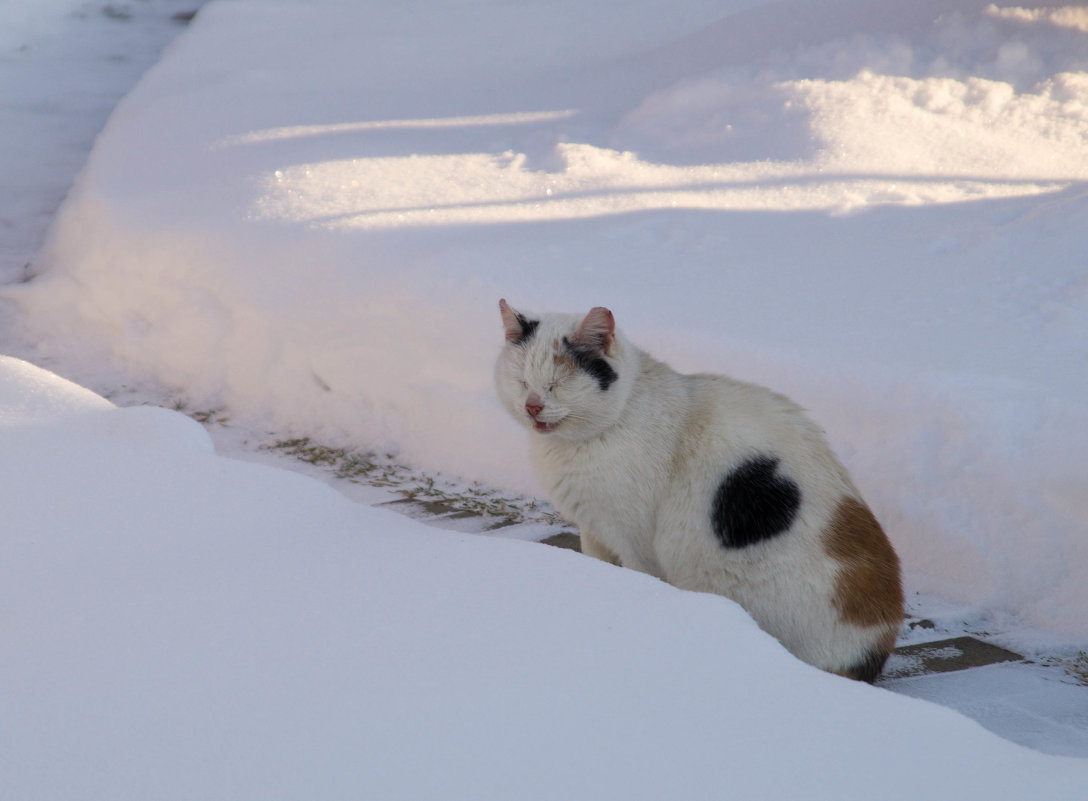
x: 533, y: 405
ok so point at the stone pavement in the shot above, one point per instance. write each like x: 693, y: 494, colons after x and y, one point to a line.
x: 945, y: 656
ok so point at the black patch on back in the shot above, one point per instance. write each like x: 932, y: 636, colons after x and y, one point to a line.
x: 752, y: 504
x: 592, y: 361
x: 869, y: 667
x: 528, y: 328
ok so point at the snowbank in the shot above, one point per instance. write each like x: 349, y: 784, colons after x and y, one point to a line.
x: 307, y: 212
x: 64, y: 64
x: 178, y: 625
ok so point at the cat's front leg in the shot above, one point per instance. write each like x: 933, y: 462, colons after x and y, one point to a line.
x: 591, y: 546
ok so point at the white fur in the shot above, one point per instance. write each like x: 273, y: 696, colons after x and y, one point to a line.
x: 636, y: 466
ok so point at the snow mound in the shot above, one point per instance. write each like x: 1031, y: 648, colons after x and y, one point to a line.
x: 307, y: 212
x: 178, y: 625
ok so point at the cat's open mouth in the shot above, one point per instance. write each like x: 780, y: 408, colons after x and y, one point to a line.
x: 544, y: 428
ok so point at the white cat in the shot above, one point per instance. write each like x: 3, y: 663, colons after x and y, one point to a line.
x: 706, y: 482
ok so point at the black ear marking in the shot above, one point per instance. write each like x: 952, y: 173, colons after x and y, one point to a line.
x: 519, y: 330
x: 753, y: 504
x: 592, y: 361
x: 528, y: 328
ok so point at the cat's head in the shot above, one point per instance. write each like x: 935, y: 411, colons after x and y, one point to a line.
x: 563, y: 375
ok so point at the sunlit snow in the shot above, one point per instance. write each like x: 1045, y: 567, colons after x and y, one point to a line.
x: 304, y: 216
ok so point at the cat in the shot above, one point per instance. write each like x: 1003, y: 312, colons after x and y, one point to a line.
x: 705, y: 482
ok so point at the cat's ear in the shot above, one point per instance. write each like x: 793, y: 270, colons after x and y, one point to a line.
x: 509, y: 320
x: 518, y: 329
x: 597, y: 331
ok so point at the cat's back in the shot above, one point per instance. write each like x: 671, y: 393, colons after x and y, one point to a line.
x: 730, y: 421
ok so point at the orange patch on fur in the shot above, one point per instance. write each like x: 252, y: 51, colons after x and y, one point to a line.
x: 868, y: 591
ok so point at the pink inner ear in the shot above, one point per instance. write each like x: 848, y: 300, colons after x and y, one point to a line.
x: 510, y: 321
x: 597, y: 330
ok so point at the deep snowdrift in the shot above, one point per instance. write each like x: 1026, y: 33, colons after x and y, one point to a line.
x: 307, y: 213
x: 178, y: 625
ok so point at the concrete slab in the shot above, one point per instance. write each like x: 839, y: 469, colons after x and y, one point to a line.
x: 442, y: 514
x: 565, y: 539
x: 945, y: 656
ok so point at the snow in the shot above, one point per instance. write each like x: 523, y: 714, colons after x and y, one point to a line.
x: 304, y: 215
x: 63, y: 66
x: 183, y: 625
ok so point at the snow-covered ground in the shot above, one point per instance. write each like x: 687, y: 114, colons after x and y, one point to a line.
x: 304, y: 217
x: 64, y: 64
x: 179, y: 625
